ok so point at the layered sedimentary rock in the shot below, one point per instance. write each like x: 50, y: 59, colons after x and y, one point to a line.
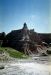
x: 25, y: 40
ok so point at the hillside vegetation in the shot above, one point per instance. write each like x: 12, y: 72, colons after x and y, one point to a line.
x: 6, y: 52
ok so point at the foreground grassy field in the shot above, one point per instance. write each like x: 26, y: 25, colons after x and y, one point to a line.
x: 11, y: 53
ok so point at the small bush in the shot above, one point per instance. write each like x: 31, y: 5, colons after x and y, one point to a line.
x: 43, y: 54
x: 48, y: 52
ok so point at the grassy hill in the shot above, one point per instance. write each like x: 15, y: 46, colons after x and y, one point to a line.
x: 6, y: 52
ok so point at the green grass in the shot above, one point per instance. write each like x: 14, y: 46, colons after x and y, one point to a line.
x: 12, y: 52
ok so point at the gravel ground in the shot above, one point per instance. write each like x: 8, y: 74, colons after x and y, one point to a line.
x: 31, y: 66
